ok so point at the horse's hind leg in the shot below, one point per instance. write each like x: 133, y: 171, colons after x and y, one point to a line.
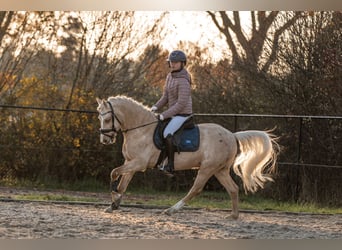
x: 226, y: 180
x: 201, y: 179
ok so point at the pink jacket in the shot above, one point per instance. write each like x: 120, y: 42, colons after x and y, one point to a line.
x: 177, y: 94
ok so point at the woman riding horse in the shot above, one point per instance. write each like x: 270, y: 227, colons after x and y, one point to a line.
x: 177, y: 95
x: 251, y: 154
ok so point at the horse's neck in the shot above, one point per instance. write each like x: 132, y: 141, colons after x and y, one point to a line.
x: 135, y: 116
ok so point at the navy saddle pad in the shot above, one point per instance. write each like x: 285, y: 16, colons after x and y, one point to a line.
x: 186, y: 139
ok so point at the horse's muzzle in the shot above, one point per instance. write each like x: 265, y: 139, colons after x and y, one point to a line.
x: 107, y: 139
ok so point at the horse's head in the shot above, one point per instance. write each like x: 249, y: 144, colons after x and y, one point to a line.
x: 108, y: 122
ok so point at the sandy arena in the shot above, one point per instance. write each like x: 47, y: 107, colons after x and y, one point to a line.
x: 43, y: 220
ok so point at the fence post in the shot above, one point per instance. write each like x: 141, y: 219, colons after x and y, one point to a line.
x: 299, y: 150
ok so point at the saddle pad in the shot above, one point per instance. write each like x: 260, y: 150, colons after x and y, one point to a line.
x: 186, y: 140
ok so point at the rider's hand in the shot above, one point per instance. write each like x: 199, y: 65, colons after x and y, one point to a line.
x: 154, y: 109
x: 160, y: 117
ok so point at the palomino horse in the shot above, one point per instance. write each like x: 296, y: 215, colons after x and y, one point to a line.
x: 251, y: 154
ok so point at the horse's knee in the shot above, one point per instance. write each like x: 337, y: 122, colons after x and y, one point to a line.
x: 113, y: 175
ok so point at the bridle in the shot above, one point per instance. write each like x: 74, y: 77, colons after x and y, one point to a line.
x: 105, y: 131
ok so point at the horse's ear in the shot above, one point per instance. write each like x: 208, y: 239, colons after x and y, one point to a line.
x: 99, y: 101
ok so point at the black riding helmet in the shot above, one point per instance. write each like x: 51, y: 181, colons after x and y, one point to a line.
x: 177, y: 56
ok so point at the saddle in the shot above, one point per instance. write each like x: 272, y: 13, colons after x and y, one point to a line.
x: 186, y: 138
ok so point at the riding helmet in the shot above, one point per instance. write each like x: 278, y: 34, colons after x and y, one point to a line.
x: 177, y: 56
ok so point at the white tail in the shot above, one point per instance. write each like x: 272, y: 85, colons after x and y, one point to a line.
x: 257, y: 158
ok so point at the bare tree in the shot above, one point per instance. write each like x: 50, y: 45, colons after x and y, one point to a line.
x: 247, y: 49
x: 107, y: 45
x: 5, y: 21
x: 13, y: 46
x: 308, y: 66
x: 25, y: 36
x: 307, y: 80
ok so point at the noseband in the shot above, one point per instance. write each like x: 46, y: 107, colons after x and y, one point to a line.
x: 104, y: 131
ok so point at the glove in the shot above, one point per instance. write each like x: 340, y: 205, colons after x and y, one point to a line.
x: 154, y: 109
x: 160, y: 117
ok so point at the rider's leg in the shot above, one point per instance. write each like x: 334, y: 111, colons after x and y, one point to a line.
x: 175, y: 123
x: 170, y: 154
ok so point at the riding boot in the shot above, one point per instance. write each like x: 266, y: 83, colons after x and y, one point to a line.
x: 168, y: 169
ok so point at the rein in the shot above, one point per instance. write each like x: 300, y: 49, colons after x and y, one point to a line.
x: 140, y: 126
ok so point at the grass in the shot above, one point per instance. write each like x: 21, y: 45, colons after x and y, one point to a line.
x: 54, y: 197
x: 86, y: 185
x: 209, y: 200
x: 221, y: 200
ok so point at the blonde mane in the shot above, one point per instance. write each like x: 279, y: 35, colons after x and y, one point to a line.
x: 125, y: 100
x: 131, y: 111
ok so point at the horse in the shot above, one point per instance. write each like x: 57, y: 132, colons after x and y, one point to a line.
x: 252, y: 154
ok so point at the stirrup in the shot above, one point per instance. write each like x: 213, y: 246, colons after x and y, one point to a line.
x: 162, y: 165
x: 166, y: 170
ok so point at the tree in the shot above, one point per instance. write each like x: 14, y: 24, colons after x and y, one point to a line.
x: 254, y: 50
x: 107, y: 45
x: 5, y: 21
x: 308, y: 66
x: 71, y: 61
x: 14, y: 55
x: 247, y: 49
x: 306, y: 80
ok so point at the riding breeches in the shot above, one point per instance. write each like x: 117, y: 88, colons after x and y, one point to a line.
x: 175, y: 123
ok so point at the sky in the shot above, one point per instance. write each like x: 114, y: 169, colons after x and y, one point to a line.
x: 198, y: 27
x: 182, y: 26
x: 192, y: 26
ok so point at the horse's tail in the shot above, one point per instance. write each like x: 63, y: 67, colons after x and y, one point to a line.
x: 256, y: 159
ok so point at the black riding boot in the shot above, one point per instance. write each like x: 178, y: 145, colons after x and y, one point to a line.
x: 168, y: 169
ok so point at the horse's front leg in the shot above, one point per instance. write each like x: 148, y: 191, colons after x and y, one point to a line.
x: 115, y: 180
x: 118, y: 187
x: 120, y: 178
x: 116, y: 195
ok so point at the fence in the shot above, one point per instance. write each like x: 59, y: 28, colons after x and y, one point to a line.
x: 298, y: 134
x: 299, y: 118
x: 307, y: 142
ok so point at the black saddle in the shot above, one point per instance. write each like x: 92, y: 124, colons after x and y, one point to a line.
x: 186, y: 139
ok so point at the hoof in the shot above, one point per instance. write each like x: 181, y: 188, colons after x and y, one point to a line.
x: 109, y: 209
x: 232, y: 217
x: 167, y: 212
x: 115, y: 205
x: 116, y: 200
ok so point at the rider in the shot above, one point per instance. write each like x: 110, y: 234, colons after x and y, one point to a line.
x: 177, y: 95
